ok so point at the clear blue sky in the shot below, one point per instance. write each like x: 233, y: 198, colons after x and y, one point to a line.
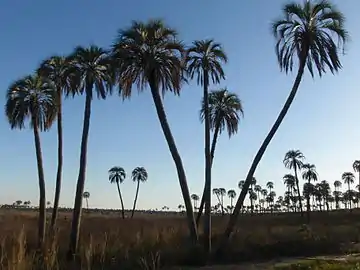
x: 323, y: 121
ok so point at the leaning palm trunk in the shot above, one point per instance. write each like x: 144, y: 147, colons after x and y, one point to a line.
x: 60, y: 162
x: 121, y: 200
x: 136, y: 196
x: 298, y: 191
x: 42, y: 199
x: 213, y: 145
x: 176, y: 157
x: 75, y: 226
x: 207, y: 197
x: 260, y: 153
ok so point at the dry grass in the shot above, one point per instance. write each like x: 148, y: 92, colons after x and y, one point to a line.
x: 159, y: 240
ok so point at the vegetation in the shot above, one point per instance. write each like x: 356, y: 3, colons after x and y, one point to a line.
x: 150, y: 55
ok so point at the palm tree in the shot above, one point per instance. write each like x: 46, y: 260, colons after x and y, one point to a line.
x: 150, y: 54
x: 241, y: 184
x: 294, y: 160
x: 195, y: 198
x: 92, y: 73
x: 270, y: 186
x: 356, y: 167
x: 86, y: 196
x: 58, y: 70
x: 139, y: 174
x: 117, y: 175
x: 309, y: 174
x: 204, y: 59
x: 224, y: 110
x: 337, y: 185
x: 222, y: 193
x: 33, y: 98
x: 232, y: 194
x: 325, y: 25
x: 348, y: 178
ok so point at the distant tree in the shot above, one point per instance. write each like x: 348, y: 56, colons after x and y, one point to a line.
x: 139, y: 174
x: 232, y: 194
x: 309, y: 174
x: 356, y: 167
x: 117, y: 175
x: 348, y: 178
x: 195, y: 198
x: 241, y: 184
x: 270, y: 185
x: 86, y: 196
x: 18, y: 203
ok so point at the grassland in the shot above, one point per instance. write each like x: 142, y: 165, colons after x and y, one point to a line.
x: 151, y: 241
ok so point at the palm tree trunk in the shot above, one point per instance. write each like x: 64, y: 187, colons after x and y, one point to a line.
x: 260, y: 153
x: 213, y: 146
x: 76, y: 219
x: 121, y: 200
x: 42, y: 198
x: 136, y: 196
x: 87, y: 203
x: 349, y: 195
x: 176, y: 157
x: 308, y: 203
x: 60, y: 161
x: 298, y: 191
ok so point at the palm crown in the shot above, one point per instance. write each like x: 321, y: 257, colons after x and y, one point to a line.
x: 148, y: 53
x: 139, y: 174
x: 309, y: 172
x: 224, y: 110
x: 117, y: 175
x: 314, y: 30
x: 32, y: 97
x: 293, y: 159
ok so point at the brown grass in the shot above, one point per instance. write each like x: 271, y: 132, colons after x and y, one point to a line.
x: 160, y: 240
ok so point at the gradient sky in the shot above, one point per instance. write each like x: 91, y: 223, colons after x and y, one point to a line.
x: 322, y: 123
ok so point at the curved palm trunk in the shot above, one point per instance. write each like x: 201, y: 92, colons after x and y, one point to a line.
x: 176, y: 157
x: 76, y: 219
x: 42, y: 198
x: 136, y: 197
x: 298, y: 191
x: 260, y: 153
x: 212, y: 153
x: 207, y: 197
x: 121, y: 200
x: 60, y: 162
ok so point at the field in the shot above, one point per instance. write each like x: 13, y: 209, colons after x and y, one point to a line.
x: 152, y: 241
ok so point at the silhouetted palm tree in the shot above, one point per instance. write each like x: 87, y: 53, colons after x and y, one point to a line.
x: 59, y: 71
x: 195, y: 198
x: 270, y: 185
x: 149, y: 54
x: 325, y: 25
x: 356, y: 167
x: 309, y: 174
x: 139, y: 174
x: 92, y: 75
x: 232, y: 194
x: 348, y: 178
x: 86, y: 196
x: 117, y: 175
x: 204, y: 59
x: 224, y: 110
x: 33, y: 98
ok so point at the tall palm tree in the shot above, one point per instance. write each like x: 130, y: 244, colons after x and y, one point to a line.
x: 309, y: 174
x: 139, y: 174
x: 225, y: 109
x: 356, y: 167
x: 33, y: 98
x: 86, y: 196
x: 294, y: 160
x: 92, y: 75
x: 241, y: 184
x: 337, y: 185
x: 195, y: 198
x: 59, y: 71
x: 270, y: 186
x: 117, y: 175
x: 325, y: 25
x: 348, y: 178
x: 204, y: 59
x: 232, y: 194
x: 149, y: 54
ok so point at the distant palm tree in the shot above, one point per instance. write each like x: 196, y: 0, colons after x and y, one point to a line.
x: 348, y: 178
x: 232, y: 194
x: 204, y: 61
x: 241, y: 184
x: 117, y: 175
x: 33, y: 98
x: 92, y: 74
x: 86, y: 196
x: 149, y: 54
x: 139, y: 174
x: 224, y: 110
x: 59, y: 71
x: 270, y: 186
x: 222, y: 193
x: 356, y: 167
x: 195, y: 198
x: 309, y: 174
x: 321, y: 21
x: 294, y: 160
x: 337, y: 184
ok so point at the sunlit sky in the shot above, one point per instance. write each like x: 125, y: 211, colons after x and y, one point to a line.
x: 323, y: 121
